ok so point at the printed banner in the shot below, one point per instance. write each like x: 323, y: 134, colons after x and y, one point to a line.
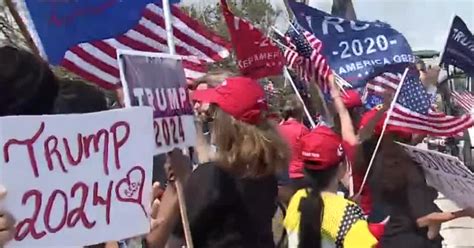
x: 257, y: 55
x: 76, y: 180
x: 459, y: 50
x: 158, y: 80
x: 354, y: 48
x: 445, y: 173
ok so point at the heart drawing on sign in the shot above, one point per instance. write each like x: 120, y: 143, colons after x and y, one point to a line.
x: 130, y: 188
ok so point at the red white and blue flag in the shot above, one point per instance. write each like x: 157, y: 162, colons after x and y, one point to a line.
x: 465, y: 100
x: 303, y: 55
x: 83, y: 36
x: 412, y: 113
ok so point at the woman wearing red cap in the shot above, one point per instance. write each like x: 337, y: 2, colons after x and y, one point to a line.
x: 318, y: 217
x: 231, y: 200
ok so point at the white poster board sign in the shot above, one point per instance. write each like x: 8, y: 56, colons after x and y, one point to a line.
x: 158, y: 80
x: 445, y: 173
x: 79, y: 179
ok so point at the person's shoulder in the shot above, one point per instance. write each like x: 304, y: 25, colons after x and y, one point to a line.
x: 213, y: 172
x: 208, y: 169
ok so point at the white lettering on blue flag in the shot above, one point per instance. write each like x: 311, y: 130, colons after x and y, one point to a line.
x: 354, y: 48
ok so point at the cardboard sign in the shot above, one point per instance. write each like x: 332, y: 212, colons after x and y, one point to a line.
x: 76, y: 180
x: 445, y: 173
x: 158, y: 80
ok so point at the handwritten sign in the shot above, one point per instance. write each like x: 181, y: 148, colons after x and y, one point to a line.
x: 445, y: 173
x: 158, y: 80
x: 76, y: 180
x: 354, y: 48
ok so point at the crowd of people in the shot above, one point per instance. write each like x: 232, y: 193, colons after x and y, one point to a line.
x: 246, y: 162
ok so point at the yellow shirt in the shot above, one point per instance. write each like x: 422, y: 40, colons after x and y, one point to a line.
x: 343, y: 224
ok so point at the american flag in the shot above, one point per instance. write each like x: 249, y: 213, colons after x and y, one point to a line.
x: 412, y: 113
x: 96, y: 61
x: 379, y: 84
x: 304, y: 56
x: 464, y: 100
x: 375, y: 88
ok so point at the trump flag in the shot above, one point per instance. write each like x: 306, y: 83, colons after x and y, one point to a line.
x: 459, y: 50
x: 354, y: 49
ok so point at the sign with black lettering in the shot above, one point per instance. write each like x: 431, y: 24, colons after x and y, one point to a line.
x: 158, y: 80
x: 445, y: 173
x: 354, y: 48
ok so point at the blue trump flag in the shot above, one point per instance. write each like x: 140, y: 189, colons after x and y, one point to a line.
x: 354, y: 48
x: 60, y: 25
x: 459, y: 49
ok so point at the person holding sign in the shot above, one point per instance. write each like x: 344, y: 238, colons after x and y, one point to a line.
x: 231, y: 200
x: 27, y: 87
x: 415, y: 220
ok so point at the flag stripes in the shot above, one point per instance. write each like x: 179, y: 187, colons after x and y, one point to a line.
x: 465, y: 100
x: 96, y: 61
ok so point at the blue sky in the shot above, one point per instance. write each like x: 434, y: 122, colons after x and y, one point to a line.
x: 423, y: 22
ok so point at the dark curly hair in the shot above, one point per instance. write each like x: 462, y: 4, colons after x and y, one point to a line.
x: 27, y: 84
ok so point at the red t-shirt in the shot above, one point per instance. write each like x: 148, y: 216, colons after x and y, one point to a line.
x: 292, y: 131
x: 358, y: 177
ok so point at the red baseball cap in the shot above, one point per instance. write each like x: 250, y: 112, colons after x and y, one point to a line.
x: 321, y: 145
x: 241, y: 97
x: 369, y: 115
x: 351, y: 98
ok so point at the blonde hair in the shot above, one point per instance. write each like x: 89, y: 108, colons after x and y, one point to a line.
x: 246, y: 150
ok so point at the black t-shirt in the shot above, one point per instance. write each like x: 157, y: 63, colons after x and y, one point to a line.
x: 226, y: 211
x: 414, y: 201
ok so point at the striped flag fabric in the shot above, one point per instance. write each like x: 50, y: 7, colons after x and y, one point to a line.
x: 381, y: 83
x: 304, y: 56
x: 96, y: 61
x: 412, y: 113
x: 465, y: 100
x: 91, y: 52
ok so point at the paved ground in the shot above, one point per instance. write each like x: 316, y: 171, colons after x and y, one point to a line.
x: 457, y: 233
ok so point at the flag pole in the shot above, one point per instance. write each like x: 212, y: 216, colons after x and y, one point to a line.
x: 169, y: 26
x: 384, y: 127
x: 308, y: 115
x: 23, y: 28
x: 179, y: 187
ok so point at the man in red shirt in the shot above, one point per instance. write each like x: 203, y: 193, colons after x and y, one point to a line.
x: 292, y: 129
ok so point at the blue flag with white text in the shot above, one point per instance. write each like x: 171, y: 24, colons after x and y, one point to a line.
x: 354, y: 49
x: 459, y: 50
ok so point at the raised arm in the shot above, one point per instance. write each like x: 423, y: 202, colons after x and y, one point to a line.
x: 347, y: 127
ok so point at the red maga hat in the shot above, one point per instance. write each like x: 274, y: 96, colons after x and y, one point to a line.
x: 241, y: 97
x: 323, y: 146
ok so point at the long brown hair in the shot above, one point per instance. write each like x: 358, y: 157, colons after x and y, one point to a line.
x: 248, y: 150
